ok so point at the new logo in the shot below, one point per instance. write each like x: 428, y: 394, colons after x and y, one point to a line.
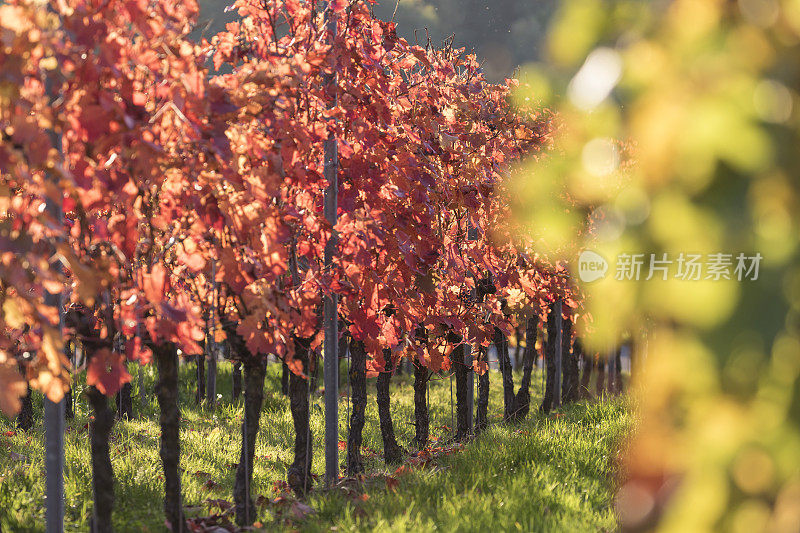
x: 591, y: 266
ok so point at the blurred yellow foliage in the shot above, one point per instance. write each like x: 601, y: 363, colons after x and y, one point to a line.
x: 678, y: 133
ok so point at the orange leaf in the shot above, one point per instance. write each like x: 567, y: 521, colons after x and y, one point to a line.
x: 296, y: 366
x: 196, y: 262
x: 12, y: 388
x: 481, y: 367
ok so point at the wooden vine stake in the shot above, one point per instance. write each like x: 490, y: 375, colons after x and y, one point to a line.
x: 54, y: 427
x: 472, y: 235
x: 330, y: 320
x: 211, y: 342
x: 54, y: 411
x: 54, y: 465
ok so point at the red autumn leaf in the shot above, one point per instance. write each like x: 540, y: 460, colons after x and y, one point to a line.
x: 106, y: 371
x: 137, y: 351
x: 251, y: 329
x: 280, y: 486
x: 338, y: 5
x: 195, y: 262
x: 154, y: 284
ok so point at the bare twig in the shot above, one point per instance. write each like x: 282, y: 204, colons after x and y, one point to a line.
x: 395, y: 10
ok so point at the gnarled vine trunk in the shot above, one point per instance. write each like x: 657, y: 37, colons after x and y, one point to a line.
x: 522, y: 401
x: 125, y: 402
x: 462, y: 374
x: 504, y: 362
x: 237, y: 380
x: 285, y: 378
x: 255, y: 371
x: 481, y: 415
x: 102, y: 472
x: 615, y: 384
x: 25, y: 416
x: 358, y: 388
x: 633, y: 357
x: 421, y: 417
x: 550, y: 362
x: 588, y: 366
x: 200, y: 395
x: 166, y: 357
x: 518, y: 362
x: 69, y: 410
x: 315, y: 371
x: 299, y: 473
x: 392, y: 452
x: 569, y: 366
x: 599, y: 386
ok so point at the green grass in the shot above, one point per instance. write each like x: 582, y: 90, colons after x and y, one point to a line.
x: 548, y: 473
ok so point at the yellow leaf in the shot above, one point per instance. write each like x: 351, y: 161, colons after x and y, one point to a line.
x: 49, y: 385
x: 12, y: 314
x: 48, y: 63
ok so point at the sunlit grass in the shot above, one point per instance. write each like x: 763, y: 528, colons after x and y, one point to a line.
x: 545, y: 474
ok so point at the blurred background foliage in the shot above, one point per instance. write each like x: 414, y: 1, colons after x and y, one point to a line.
x: 678, y: 130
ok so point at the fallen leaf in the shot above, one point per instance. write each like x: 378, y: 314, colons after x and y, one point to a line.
x: 300, y: 510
